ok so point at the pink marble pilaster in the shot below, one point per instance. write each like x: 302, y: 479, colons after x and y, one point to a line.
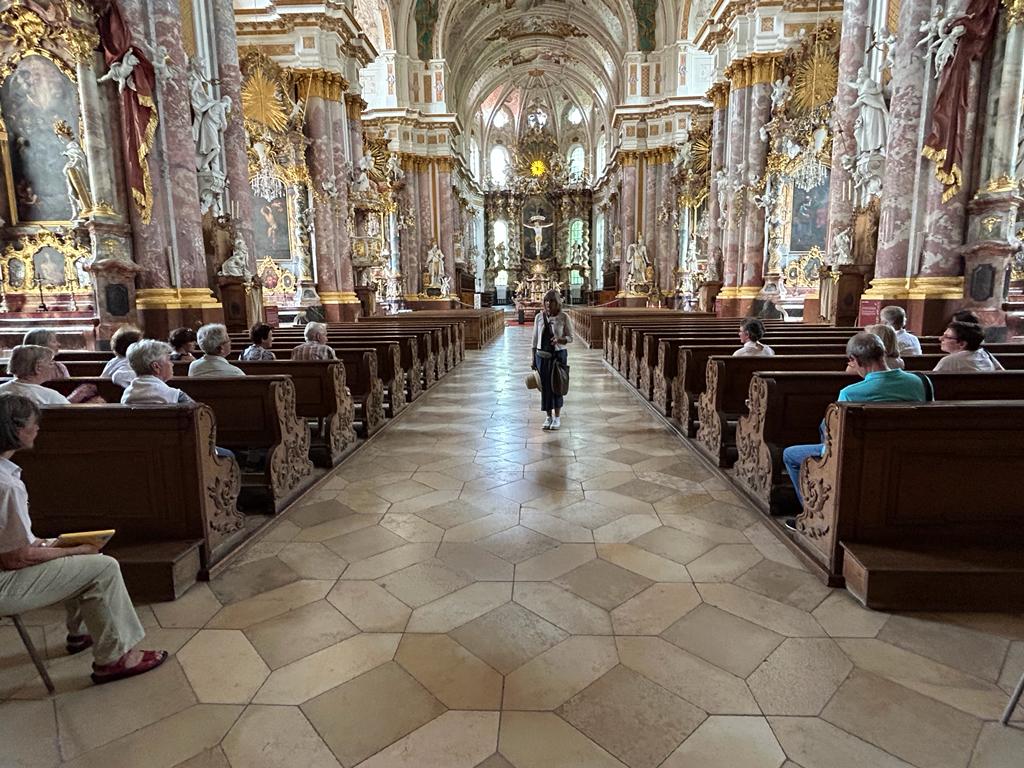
x: 342, y: 168
x: 425, y: 221
x: 449, y: 221
x: 322, y: 170
x: 667, y: 242
x: 759, y: 113
x: 733, y: 224
x: 627, y: 212
x: 718, y: 140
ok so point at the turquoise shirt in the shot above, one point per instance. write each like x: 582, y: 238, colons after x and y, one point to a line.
x: 893, y: 386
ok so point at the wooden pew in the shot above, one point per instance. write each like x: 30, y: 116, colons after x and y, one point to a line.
x: 786, y: 407
x: 151, y: 473
x: 589, y: 321
x: 917, y: 507
x: 480, y: 326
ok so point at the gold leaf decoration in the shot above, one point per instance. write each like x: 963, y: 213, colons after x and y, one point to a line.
x: 261, y: 102
x: 815, y: 79
x: 701, y: 150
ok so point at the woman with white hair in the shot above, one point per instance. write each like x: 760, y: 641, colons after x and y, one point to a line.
x: 31, y: 365
x: 214, y: 341
x: 151, y: 361
x: 315, y: 347
x: 44, y: 337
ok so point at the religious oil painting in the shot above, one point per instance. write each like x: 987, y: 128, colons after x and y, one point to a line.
x: 810, y: 218
x: 270, y: 229
x: 16, y: 274
x: 48, y: 265
x: 32, y: 99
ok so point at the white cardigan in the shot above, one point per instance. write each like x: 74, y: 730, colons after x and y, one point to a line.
x: 561, y: 327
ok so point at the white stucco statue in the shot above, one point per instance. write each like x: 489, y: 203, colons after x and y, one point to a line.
x: 617, y: 246
x: 538, y: 226
x: 237, y: 264
x: 394, y: 167
x: 446, y: 286
x: 684, y: 153
x: 871, y: 128
x: 76, y: 175
x: 944, y: 47
x: 435, y: 265
x: 780, y: 92
x: 637, y: 261
x: 121, y: 71
x: 842, y: 247
x: 209, y: 116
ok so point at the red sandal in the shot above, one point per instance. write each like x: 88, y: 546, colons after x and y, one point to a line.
x: 108, y: 673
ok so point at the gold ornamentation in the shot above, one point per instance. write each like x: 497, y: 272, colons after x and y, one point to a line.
x: 1014, y: 12
x: 816, y: 78
x: 60, y: 41
x: 262, y: 102
x: 803, y: 271
x: 319, y: 83
x: 1003, y: 183
x: 23, y: 259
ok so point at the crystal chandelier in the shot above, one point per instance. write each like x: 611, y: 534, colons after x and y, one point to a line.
x: 809, y: 174
x: 265, y: 182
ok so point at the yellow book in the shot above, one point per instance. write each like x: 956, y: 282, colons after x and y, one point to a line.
x: 97, y: 539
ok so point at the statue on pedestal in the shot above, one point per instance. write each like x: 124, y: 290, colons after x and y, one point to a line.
x: 871, y: 128
x: 209, y: 116
x: 617, y: 246
x: 435, y: 265
x: 237, y: 264
x: 76, y: 171
x: 638, y: 264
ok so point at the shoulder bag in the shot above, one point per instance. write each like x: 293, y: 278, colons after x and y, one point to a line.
x: 559, y: 371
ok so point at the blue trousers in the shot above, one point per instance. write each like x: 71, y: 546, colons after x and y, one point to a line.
x: 793, y: 457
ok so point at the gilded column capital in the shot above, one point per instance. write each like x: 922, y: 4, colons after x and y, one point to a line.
x: 319, y: 83
x: 762, y: 68
x: 718, y: 95
x: 739, y: 73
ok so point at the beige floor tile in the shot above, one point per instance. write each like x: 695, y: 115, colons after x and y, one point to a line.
x: 603, y: 584
x: 620, y: 502
x: 453, y: 740
x: 655, y: 609
x: 976, y: 653
x: 165, y: 743
x: 193, y: 609
x: 270, y: 604
x: 424, y: 582
x: 402, y: 490
x: 308, y: 677
x: 606, y: 481
x: 634, y: 719
x: 508, y: 637
x: 282, y: 530
x: 412, y: 528
x: 364, y: 543
x: 626, y: 528
x: 438, y: 481
x: 517, y: 544
x: 645, y: 488
x: 252, y: 579
x: 369, y: 606
x: 799, y: 677
x: 840, y: 615
x: 417, y: 505
x: 560, y: 673
x: 482, y: 527
x: 496, y: 761
x: 904, y: 723
x: 312, y: 560
x: 544, y: 740
x: 375, y: 567
x: 456, y: 677
x: 276, y: 737
x: 682, y: 503
x: 95, y: 716
x: 222, y: 666
x: 998, y: 747
x: 701, y: 631
x: 815, y: 743
x: 793, y: 586
x: 643, y: 563
x: 724, y: 513
x: 365, y: 715
x: 555, y: 562
x: 674, y: 544
x: 307, y: 515
x: 1014, y: 666
x: 453, y: 513
x: 771, y: 614
x: 720, y: 534
x: 768, y: 544
x: 556, y: 528
x: 563, y: 609
x: 342, y: 526
x: 298, y: 633
x: 555, y: 500
x: 729, y: 742
x: 208, y: 758
x: 456, y: 609
x: 28, y: 734
x: 475, y: 561
x: 702, y: 684
x: 726, y: 562
x: 588, y: 514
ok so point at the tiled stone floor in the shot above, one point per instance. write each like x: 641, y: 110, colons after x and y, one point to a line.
x: 469, y: 591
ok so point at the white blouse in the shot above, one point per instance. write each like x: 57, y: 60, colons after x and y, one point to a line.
x: 561, y: 327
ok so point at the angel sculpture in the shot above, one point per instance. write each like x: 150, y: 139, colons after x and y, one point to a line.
x: 780, y: 92
x: 121, y: 72
x: 944, y: 47
x: 842, y: 246
x: 932, y: 28
x: 394, y: 168
x: 684, y: 153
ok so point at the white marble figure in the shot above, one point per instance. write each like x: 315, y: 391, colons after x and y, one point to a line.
x: 367, y: 163
x: 871, y: 128
x: 237, y: 264
x: 931, y: 28
x: 684, y: 153
x: 362, y: 182
x: 944, y: 47
x: 76, y: 175
x: 842, y: 247
x: 637, y: 263
x: 209, y: 117
x: 780, y: 92
x: 212, y: 185
x: 161, y: 61
x: 886, y: 41
x: 500, y: 256
x: 394, y: 168
x: 298, y: 110
x: 446, y: 286
x: 330, y: 187
x: 435, y: 265
x: 538, y: 227
x: 120, y: 72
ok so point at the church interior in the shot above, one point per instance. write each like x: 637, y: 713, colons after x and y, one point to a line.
x: 777, y: 248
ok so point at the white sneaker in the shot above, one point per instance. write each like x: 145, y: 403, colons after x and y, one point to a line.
x: 555, y: 423
x: 547, y: 423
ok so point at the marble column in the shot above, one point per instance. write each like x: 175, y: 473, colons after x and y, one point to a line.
x: 425, y: 222
x: 627, y: 212
x: 667, y: 247
x: 324, y: 176
x: 343, y: 245
x: 719, y: 95
x: 732, y: 238
x: 448, y: 218
x: 759, y: 112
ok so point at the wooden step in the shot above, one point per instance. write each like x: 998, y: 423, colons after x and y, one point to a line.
x: 935, y: 577
x: 158, y: 571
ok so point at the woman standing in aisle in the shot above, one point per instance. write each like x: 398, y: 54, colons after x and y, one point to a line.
x: 552, y: 330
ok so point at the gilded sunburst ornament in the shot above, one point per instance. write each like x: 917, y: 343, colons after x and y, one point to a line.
x: 815, y: 79
x: 261, y: 102
x: 701, y: 153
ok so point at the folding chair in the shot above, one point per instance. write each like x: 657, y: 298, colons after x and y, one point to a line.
x: 40, y: 667
x: 1014, y: 699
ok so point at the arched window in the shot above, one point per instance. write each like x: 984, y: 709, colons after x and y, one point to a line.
x: 575, y: 232
x: 499, y: 164
x: 602, y: 154
x: 500, y: 232
x: 474, y: 157
x: 577, y: 159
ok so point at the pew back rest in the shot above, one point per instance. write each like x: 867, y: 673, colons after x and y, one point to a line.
x: 247, y: 408
x: 316, y: 382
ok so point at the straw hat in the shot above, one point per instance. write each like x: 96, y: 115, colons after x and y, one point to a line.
x: 533, y: 380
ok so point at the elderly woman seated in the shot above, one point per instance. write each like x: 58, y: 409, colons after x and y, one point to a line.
x: 962, y: 343
x: 751, y: 333
x: 32, y: 366
x: 44, y: 337
x: 183, y: 343
x: 151, y: 361
x: 215, y: 343
x: 891, y: 343
x: 262, y: 336
x: 118, y: 369
x: 315, y: 347
x: 34, y: 574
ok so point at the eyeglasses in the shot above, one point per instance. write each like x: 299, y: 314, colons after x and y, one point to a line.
x: 950, y: 337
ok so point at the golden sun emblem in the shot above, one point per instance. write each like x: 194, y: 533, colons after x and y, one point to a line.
x: 538, y: 167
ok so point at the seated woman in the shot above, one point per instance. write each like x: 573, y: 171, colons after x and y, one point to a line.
x: 151, y: 361
x: 44, y: 337
x: 215, y: 343
x: 118, y: 369
x: 751, y: 333
x: 183, y: 343
x: 262, y: 336
x: 32, y: 366
x: 890, y: 342
x: 962, y: 343
x: 315, y: 347
x: 34, y: 575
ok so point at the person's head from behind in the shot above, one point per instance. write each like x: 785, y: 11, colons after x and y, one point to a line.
x: 42, y: 337
x: 31, y: 363
x: 965, y: 316
x: 751, y: 329
x: 214, y: 340
x: 893, y: 316
x: 316, y: 332
x: 960, y: 336
x: 552, y: 302
x: 888, y: 337
x: 123, y: 338
x: 150, y: 357
x: 865, y: 353
x: 262, y: 335
x: 183, y: 340
x: 19, y: 423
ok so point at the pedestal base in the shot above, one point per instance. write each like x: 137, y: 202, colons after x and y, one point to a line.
x: 161, y: 310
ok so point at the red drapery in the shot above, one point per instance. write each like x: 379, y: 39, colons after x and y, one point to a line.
x: 138, y: 108
x: 945, y: 145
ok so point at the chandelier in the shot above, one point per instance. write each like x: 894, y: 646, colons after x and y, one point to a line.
x: 809, y: 173
x: 266, y: 181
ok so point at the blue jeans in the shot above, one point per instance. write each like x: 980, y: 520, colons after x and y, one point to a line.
x: 793, y: 457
